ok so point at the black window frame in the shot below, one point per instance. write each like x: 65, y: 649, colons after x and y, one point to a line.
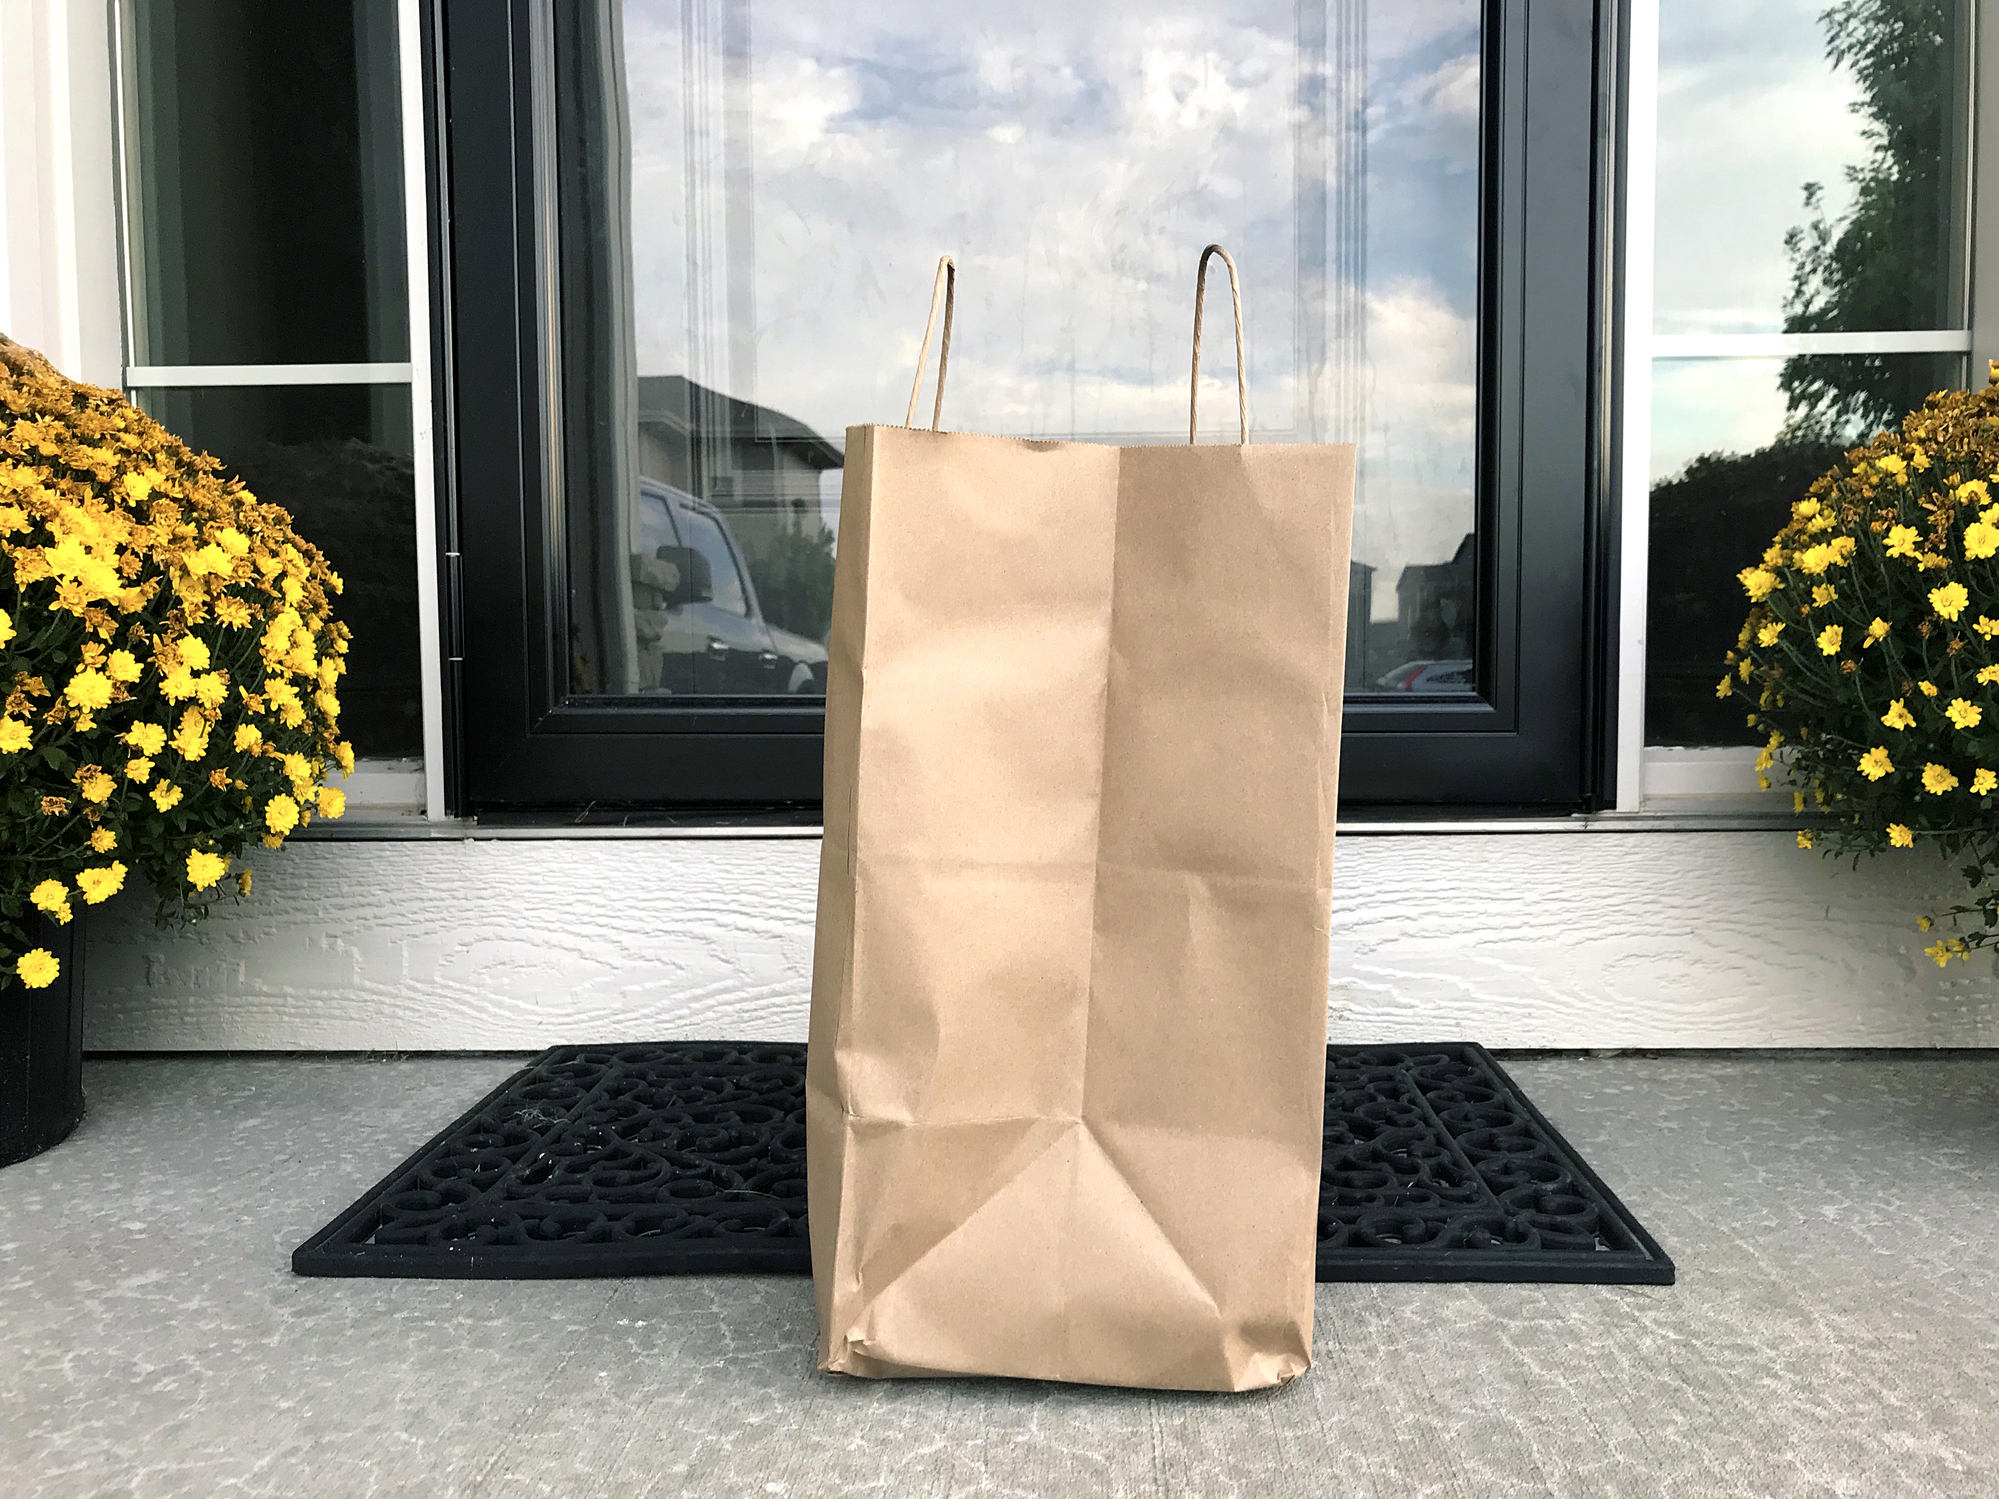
x: 1539, y: 735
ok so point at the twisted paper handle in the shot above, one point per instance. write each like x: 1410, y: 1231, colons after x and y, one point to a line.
x: 1241, y: 378
x: 946, y: 287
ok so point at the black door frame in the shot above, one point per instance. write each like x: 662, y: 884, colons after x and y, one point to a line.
x: 1539, y: 733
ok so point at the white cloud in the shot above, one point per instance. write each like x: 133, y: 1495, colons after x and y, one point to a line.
x: 1074, y: 158
x: 1749, y: 111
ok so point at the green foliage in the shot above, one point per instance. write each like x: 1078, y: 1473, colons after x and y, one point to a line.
x: 1871, y: 654
x: 168, y: 657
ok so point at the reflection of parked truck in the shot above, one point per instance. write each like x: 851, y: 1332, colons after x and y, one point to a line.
x: 695, y: 606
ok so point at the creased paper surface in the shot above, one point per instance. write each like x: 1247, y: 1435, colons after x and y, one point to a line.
x: 1065, y: 1085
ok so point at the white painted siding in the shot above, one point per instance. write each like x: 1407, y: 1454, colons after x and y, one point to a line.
x: 1595, y: 940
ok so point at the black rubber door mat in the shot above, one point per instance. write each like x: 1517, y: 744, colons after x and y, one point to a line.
x: 688, y: 1157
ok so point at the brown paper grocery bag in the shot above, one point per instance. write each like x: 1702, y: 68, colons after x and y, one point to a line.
x: 1066, y: 1078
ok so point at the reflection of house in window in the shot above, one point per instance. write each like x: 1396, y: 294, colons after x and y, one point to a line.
x: 1434, y: 603
x: 745, y: 459
x: 762, y: 471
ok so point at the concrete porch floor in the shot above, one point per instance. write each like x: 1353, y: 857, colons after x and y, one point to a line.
x: 1835, y: 1329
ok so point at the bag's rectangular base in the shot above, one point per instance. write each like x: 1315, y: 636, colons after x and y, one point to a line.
x: 688, y: 1158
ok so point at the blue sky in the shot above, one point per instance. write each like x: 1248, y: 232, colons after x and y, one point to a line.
x: 1074, y: 158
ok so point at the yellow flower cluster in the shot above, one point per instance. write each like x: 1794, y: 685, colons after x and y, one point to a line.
x: 169, y: 662
x: 1876, y: 608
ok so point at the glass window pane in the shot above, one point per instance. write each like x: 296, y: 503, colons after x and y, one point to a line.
x: 338, y: 457
x: 752, y: 198
x: 265, y: 162
x: 1811, y: 166
x: 1729, y: 456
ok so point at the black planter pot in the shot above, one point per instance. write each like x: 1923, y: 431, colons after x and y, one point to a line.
x: 41, y: 1049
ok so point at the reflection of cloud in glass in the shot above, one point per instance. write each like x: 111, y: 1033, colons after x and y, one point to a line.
x: 1749, y: 111
x: 796, y: 169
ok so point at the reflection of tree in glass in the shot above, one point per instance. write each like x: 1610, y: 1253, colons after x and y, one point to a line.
x: 356, y: 502
x: 1715, y: 516
x: 793, y: 573
x: 1884, y: 265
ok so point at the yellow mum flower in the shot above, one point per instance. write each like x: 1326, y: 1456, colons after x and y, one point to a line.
x: 166, y: 796
x: 1972, y: 492
x: 1888, y: 463
x: 211, y: 689
x: 1900, y: 837
x: 1964, y: 714
x: 1929, y: 689
x: 281, y: 814
x: 122, y: 667
x: 178, y: 684
x: 89, y: 690
x: 233, y: 612
x: 15, y: 736
x: 1877, y: 631
x: 1988, y: 674
x: 146, y: 738
x: 1823, y: 594
x: 194, y: 652
x: 1841, y: 548
x: 1987, y: 627
x: 1949, y: 600
x: 1758, y: 582
x: 1829, y: 639
x: 139, y: 769
x: 191, y: 738
x: 1814, y: 560
x: 1725, y: 686
x: 37, y: 968
x: 1980, y: 540
x: 248, y: 737
x: 1983, y: 782
x: 1767, y: 636
x: 236, y: 544
x: 1897, y: 716
x: 1902, y: 541
x: 211, y: 561
x: 51, y: 896
x: 1938, y: 952
x: 100, y: 884
x: 204, y: 869
x: 95, y: 785
x: 343, y: 753
x: 1937, y: 780
x: 103, y: 840
x: 332, y: 801
x: 1805, y: 839
x: 6, y: 625
x: 1876, y: 764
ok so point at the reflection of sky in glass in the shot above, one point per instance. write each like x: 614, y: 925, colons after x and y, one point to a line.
x: 1736, y: 406
x: 1074, y: 159
x: 1712, y: 406
x: 1749, y: 111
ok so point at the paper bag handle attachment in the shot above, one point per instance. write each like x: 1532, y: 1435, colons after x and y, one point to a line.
x: 1194, y: 395
x: 946, y: 287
